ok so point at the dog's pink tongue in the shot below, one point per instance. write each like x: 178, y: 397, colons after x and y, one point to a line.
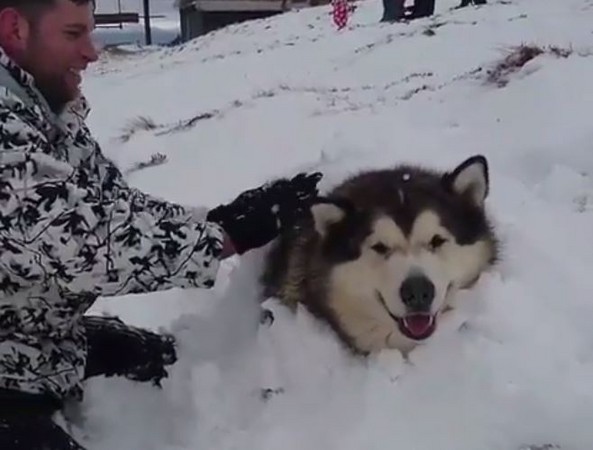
x: 418, y: 324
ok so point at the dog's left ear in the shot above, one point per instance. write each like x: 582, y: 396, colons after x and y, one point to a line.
x: 469, y: 179
x: 327, y: 212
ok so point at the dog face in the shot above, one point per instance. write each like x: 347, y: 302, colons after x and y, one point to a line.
x: 401, y: 242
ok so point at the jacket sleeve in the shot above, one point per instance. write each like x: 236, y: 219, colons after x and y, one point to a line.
x: 60, y: 227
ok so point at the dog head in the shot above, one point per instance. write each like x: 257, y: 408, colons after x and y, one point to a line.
x: 403, y: 240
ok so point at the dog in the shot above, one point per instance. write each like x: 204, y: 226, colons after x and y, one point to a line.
x: 382, y: 254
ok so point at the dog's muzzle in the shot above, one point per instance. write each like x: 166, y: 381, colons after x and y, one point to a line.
x: 415, y: 324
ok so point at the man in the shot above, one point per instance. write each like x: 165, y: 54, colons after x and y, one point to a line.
x: 72, y: 230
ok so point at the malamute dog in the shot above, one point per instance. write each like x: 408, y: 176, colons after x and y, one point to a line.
x: 385, y: 252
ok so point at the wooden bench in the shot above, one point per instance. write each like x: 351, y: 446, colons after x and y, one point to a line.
x: 116, y: 18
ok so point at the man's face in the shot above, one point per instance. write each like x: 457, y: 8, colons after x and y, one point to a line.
x: 58, y: 48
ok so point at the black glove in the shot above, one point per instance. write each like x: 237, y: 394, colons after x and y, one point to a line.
x: 141, y: 355
x: 258, y: 215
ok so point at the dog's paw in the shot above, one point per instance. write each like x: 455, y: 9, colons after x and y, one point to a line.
x: 389, y: 362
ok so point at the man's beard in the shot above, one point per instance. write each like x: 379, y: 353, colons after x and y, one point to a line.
x: 53, y: 90
x: 51, y: 85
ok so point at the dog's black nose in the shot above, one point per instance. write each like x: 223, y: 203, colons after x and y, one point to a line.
x: 417, y: 293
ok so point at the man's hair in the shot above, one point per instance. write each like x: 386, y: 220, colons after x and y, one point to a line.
x: 32, y: 8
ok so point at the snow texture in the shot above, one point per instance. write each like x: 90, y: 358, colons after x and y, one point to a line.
x: 510, y: 369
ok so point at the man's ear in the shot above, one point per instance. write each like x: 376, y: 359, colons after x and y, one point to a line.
x: 470, y: 179
x: 327, y: 213
x: 14, y: 32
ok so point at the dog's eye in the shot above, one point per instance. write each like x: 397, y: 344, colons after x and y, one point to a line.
x: 436, y: 242
x: 380, y: 248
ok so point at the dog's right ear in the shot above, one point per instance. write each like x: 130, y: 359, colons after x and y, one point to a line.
x: 469, y: 179
x: 325, y: 214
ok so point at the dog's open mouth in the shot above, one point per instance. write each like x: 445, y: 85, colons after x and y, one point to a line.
x: 417, y: 326
x: 414, y: 325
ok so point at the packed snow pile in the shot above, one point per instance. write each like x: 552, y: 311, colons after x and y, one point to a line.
x: 200, y: 122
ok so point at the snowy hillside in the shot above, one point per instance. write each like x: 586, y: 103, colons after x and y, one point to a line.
x: 513, y: 366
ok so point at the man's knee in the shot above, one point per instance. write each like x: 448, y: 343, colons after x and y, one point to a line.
x: 33, y: 432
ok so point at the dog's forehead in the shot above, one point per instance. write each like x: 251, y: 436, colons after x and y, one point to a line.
x: 416, y: 202
x: 425, y: 225
x: 386, y: 230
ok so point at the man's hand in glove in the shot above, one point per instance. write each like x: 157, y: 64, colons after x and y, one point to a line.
x: 258, y: 215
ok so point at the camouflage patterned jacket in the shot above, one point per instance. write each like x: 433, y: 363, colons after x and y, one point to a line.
x: 71, y: 230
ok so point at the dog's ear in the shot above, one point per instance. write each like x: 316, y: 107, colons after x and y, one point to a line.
x: 470, y: 179
x: 326, y: 213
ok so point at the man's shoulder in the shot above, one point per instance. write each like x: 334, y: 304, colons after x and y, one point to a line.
x: 11, y: 101
x: 19, y: 118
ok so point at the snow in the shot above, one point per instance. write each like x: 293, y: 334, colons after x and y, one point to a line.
x: 511, y: 367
